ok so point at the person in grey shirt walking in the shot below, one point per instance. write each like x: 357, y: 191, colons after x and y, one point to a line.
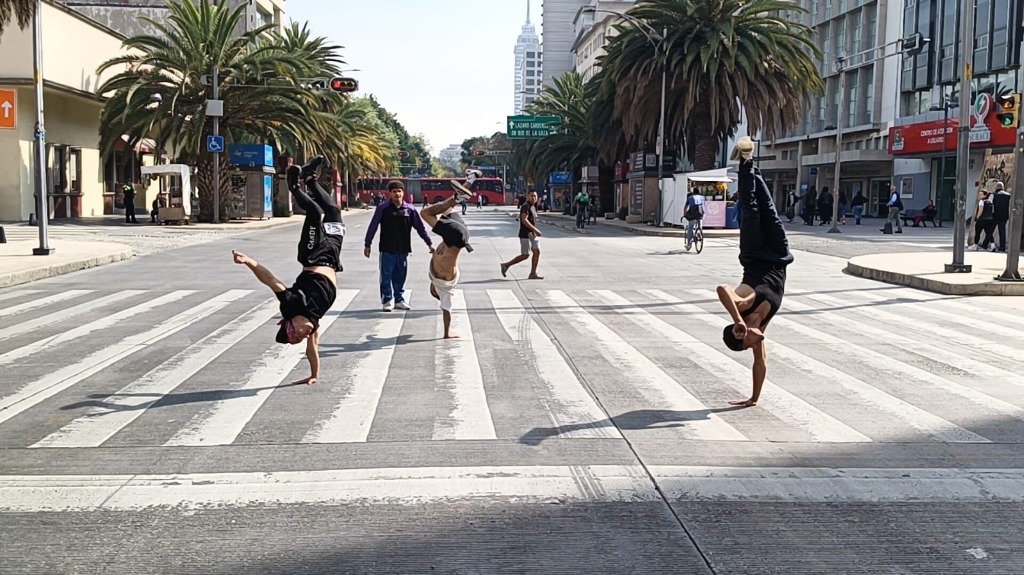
x: 895, y: 205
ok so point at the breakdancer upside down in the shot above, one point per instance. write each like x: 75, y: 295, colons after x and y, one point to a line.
x: 443, y: 270
x: 764, y: 254
x: 316, y: 287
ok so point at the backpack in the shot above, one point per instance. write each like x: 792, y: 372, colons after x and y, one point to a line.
x: 693, y: 212
x: 584, y: 198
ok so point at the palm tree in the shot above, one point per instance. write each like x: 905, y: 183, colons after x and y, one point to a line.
x: 574, y: 145
x: 723, y: 56
x: 20, y: 10
x: 195, y: 38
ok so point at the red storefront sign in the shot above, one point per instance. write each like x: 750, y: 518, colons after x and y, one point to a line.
x: 926, y: 137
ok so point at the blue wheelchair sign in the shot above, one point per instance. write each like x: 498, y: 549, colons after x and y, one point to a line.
x: 214, y: 144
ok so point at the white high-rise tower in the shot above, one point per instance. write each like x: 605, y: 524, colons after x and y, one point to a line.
x: 528, y: 65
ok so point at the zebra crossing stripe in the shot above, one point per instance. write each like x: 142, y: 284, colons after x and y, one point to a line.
x: 906, y: 373
x: 396, y: 486
x: 67, y: 313
x: 457, y: 370
x: 953, y: 303
x: 783, y: 404
x: 43, y: 302
x: 18, y: 293
x: 566, y: 400
x: 354, y: 411
x: 921, y: 323
x: 645, y: 376
x: 122, y: 408
x: 957, y: 361
x: 225, y: 419
x: 908, y: 413
x: 70, y: 335
x: 63, y: 378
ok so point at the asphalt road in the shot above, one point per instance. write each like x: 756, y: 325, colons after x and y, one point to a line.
x: 580, y: 424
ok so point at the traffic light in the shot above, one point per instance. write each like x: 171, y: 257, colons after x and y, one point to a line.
x: 1008, y: 114
x: 479, y: 153
x: 344, y: 85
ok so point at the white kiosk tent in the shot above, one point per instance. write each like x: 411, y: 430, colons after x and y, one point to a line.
x: 177, y: 204
x: 674, y: 192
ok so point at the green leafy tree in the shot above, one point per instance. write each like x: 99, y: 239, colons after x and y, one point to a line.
x: 723, y: 56
x: 20, y: 11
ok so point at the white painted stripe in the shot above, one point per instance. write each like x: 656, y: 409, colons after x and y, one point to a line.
x: 905, y: 373
x: 925, y: 348
x: 395, y: 486
x: 919, y: 322
x: 43, y: 302
x: 363, y: 385
x: 457, y: 371
x: 845, y: 485
x: 909, y: 414
x: 101, y: 423
x: 63, y: 378
x: 657, y: 387
x: 18, y: 293
x: 774, y: 399
x: 564, y: 398
x: 221, y: 423
x: 68, y: 313
x: 56, y: 341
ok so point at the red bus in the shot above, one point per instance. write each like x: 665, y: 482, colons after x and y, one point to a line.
x: 491, y: 190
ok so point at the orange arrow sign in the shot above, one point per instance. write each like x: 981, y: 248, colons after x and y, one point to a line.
x: 8, y: 109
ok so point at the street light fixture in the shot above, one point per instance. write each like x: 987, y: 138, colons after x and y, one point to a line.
x: 658, y: 40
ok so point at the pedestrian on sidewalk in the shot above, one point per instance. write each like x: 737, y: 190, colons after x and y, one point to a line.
x: 895, y: 205
x: 396, y: 219
x: 858, y: 206
x: 985, y: 222
x: 1001, y: 213
x: 129, y: 203
x: 528, y: 234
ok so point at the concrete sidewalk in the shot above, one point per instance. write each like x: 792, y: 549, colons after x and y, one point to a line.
x: 18, y: 265
x: 565, y: 222
x: 924, y: 270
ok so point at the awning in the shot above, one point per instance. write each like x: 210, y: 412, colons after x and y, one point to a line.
x: 719, y: 175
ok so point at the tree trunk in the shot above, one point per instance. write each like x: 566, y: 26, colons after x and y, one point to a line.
x: 204, y: 187
x: 705, y: 143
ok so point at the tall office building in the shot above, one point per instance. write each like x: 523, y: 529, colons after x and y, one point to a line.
x: 592, y: 30
x: 126, y: 16
x: 528, y: 65
x: 557, y: 22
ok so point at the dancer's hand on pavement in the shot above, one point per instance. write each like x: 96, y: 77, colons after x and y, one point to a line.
x: 308, y: 381
x: 241, y: 258
x: 366, y: 252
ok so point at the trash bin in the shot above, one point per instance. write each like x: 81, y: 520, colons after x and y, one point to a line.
x: 732, y: 217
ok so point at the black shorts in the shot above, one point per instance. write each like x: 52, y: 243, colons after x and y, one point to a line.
x: 772, y: 276
x: 453, y: 231
x: 320, y: 244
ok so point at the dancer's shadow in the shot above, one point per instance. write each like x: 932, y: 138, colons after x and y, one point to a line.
x: 165, y: 400
x: 631, y: 420
x: 372, y: 343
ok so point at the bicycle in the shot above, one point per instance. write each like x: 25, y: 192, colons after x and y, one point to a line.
x: 698, y: 237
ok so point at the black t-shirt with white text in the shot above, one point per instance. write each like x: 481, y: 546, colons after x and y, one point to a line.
x: 531, y: 216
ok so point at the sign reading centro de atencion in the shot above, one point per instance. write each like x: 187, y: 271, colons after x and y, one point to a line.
x: 526, y: 127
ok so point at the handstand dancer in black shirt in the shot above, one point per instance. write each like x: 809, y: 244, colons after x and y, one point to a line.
x: 314, y: 290
x: 764, y: 254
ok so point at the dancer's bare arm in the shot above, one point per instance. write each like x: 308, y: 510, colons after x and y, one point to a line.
x: 758, y: 372
x: 261, y: 273
x: 731, y: 299
x: 447, y: 317
x: 313, y: 355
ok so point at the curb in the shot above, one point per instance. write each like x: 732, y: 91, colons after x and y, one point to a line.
x: 665, y: 233
x: 22, y: 277
x: 993, y: 288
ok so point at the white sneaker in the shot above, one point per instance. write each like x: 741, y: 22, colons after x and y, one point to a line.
x: 402, y: 305
x: 973, y: 248
x: 388, y: 306
x: 461, y: 192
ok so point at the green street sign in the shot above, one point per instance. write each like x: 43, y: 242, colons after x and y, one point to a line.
x: 527, y: 127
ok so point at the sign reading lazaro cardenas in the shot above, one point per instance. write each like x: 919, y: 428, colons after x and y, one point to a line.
x: 525, y: 127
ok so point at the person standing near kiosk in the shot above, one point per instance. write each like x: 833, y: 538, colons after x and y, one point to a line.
x: 129, y: 203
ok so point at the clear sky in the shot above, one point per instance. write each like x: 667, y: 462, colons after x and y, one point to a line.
x: 444, y: 67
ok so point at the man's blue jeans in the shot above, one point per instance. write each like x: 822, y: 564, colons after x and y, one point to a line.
x: 393, y: 269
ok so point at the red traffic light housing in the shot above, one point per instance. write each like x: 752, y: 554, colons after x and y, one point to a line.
x: 403, y: 154
x: 344, y: 84
x: 479, y: 153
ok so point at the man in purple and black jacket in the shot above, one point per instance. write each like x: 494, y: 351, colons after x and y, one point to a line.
x: 396, y: 219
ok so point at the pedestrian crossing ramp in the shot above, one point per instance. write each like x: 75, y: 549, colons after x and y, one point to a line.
x: 88, y: 368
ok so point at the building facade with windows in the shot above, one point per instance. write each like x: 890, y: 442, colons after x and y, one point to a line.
x: 557, y: 19
x: 528, y: 66
x: 923, y: 142
x: 592, y: 31
x: 803, y: 158
x: 127, y: 16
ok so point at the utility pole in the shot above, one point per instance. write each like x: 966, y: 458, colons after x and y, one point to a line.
x: 216, y: 155
x: 839, y: 143
x: 963, y: 146
x: 43, y: 214
x: 661, y: 123
x: 1012, y: 271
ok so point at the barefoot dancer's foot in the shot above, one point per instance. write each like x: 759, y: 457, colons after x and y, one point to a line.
x: 307, y: 381
x: 743, y: 402
x: 536, y: 277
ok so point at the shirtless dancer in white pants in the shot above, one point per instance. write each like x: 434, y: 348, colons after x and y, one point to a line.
x: 444, y: 263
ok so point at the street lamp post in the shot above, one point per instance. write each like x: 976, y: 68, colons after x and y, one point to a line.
x: 841, y: 97
x: 963, y: 146
x: 43, y: 213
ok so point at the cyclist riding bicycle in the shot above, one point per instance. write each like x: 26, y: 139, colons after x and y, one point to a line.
x: 582, y: 206
x: 693, y: 212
